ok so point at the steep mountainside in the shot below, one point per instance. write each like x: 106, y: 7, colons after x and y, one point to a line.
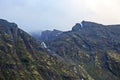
x: 90, y: 51
x: 23, y: 58
x: 94, y: 47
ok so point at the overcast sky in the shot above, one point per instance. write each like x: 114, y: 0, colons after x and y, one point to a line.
x: 32, y: 15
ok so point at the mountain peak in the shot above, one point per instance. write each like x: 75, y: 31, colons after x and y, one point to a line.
x: 9, y: 28
x: 77, y: 27
x: 90, y: 24
x: 4, y: 24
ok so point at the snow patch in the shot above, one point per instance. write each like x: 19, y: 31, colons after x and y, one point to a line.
x: 81, y: 25
x: 44, y: 45
x: 82, y: 79
x: 58, y: 33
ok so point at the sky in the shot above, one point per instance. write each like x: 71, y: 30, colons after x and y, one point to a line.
x: 35, y: 15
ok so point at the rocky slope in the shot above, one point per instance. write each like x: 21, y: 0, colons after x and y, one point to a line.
x: 90, y: 51
x: 24, y: 58
x: 93, y: 47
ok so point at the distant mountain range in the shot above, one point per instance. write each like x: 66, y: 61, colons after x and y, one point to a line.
x: 90, y: 51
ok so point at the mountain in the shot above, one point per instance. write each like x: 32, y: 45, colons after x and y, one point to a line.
x: 22, y: 57
x: 90, y: 51
x: 93, y: 48
x: 46, y: 35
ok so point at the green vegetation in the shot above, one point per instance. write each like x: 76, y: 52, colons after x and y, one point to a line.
x: 84, y: 54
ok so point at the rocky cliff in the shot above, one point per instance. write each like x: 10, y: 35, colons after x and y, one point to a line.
x: 92, y: 46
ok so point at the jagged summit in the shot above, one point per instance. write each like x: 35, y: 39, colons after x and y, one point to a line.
x: 79, y: 26
x: 2, y: 21
x: 5, y: 23
x: 8, y: 27
x: 76, y: 27
x: 90, y: 24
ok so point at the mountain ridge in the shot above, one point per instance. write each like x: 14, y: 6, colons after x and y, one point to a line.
x: 91, y: 53
x: 94, y: 46
x: 23, y: 58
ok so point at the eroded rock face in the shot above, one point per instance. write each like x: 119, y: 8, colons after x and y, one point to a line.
x: 6, y: 26
x: 77, y: 27
x: 9, y: 28
x: 91, y: 24
x: 113, y: 62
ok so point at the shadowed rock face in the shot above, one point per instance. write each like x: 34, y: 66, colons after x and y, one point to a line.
x: 9, y: 28
x: 94, y: 47
x: 91, y: 24
x: 85, y: 24
x: 5, y: 25
x: 76, y: 27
